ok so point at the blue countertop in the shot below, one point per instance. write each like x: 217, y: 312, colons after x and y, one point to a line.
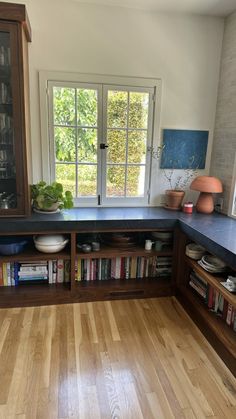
x: 217, y: 232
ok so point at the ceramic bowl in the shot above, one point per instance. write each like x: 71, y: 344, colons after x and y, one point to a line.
x: 50, y: 243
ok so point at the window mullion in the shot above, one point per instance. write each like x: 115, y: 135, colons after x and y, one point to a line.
x: 76, y: 144
x: 126, y: 149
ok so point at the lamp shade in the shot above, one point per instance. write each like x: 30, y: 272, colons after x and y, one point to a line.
x: 206, y: 184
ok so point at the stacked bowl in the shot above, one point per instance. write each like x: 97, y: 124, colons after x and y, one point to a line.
x: 195, y: 251
x: 165, y: 237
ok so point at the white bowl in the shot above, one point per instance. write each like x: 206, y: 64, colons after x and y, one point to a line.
x: 53, y: 248
x: 49, y: 239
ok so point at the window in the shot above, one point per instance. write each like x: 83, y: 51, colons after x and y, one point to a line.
x: 98, y: 139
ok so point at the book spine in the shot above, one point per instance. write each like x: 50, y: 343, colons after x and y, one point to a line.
x: 197, y: 289
x: 54, y: 271
x: 229, y: 314
x: 50, y: 272
x: 100, y: 269
x: 8, y: 274
x: 4, y: 268
x: 60, y: 271
x: 16, y: 270
x: 67, y: 271
x: 1, y: 275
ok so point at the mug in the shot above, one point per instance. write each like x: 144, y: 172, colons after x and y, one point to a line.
x: 148, y: 244
x: 96, y: 246
x: 158, y: 245
x: 86, y: 248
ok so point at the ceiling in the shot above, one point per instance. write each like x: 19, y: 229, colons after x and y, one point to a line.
x: 203, y: 7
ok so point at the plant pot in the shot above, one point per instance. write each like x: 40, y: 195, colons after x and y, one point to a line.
x: 54, y: 207
x: 174, y: 199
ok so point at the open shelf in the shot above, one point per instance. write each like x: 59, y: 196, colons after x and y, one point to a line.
x: 113, y: 252
x: 209, y: 320
x: 212, y: 280
x: 30, y: 254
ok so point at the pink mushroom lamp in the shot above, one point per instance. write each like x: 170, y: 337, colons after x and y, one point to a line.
x: 206, y: 185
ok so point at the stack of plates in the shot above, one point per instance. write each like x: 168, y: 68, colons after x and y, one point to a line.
x: 164, y: 236
x: 120, y: 240
x: 195, y: 251
x: 212, y: 264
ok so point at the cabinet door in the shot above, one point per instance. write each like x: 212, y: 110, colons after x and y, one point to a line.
x: 13, y: 173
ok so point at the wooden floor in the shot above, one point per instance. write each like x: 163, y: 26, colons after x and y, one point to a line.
x: 120, y: 359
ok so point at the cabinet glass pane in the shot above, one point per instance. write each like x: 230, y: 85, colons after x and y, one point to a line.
x: 8, y: 196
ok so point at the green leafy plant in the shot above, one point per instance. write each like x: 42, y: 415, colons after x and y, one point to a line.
x: 50, y: 197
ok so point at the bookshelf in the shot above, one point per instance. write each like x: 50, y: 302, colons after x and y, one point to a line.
x: 87, y: 290
x: 214, y: 327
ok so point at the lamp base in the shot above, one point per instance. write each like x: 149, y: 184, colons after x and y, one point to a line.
x: 205, y: 203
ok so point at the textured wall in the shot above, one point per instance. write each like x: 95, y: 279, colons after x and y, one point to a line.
x: 224, y: 145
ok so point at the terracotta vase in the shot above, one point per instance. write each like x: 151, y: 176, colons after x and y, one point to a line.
x: 174, y: 199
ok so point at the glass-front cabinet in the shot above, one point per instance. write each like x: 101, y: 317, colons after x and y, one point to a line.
x: 14, y: 196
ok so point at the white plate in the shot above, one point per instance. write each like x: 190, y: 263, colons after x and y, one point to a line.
x: 213, y: 262
x: 46, y: 212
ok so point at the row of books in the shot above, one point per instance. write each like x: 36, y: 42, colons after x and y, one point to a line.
x: 51, y: 272
x: 213, y: 299
x: 122, y: 268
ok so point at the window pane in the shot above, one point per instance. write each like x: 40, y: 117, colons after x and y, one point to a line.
x: 87, y: 107
x: 135, y: 181
x: 138, y: 110
x: 65, y: 174
x: 87, y: 145
x: 87, y: 180
x: 64, y: 144
x: 115, y: 181
x: 137, y: 147
x: 64, y: 105
x: 116, y: 141
x: 117, y: 109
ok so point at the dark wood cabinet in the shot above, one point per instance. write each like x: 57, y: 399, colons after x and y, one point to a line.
x: 211, y: 322
x: 88, y: 289
x: 15, y: 34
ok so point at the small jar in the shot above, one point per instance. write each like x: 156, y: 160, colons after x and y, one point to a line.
x: 188, y: 207
x: 148, y: 244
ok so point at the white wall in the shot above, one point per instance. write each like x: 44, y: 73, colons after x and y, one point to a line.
x: 183, y: 50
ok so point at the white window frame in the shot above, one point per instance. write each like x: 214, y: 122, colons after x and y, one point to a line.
x: 93, y: 80
x: 232, y: 201
x: 90, y: 200
x: 117, y: 200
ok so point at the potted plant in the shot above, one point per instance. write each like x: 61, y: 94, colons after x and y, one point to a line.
x: 50, y: 197
x: 175, y: 194
x: 176, y: 185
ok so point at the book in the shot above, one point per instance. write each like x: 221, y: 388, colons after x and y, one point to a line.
x: 197, y: 289
x: 1, y: 275
x: 50, y: 272
x: 67, y: 271
x: 60, y: 270
x: 229, y: 314
x: 54, y: 271
x: 33, y: 268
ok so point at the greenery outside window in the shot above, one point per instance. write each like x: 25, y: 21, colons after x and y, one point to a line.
x: 99, y: 136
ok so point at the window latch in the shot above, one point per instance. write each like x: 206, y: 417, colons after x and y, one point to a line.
x: 103, y: 146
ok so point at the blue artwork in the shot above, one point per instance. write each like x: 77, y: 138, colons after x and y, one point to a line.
x: 184, y: 149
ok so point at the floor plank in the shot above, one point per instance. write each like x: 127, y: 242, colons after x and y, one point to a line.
x: 134, y: 359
